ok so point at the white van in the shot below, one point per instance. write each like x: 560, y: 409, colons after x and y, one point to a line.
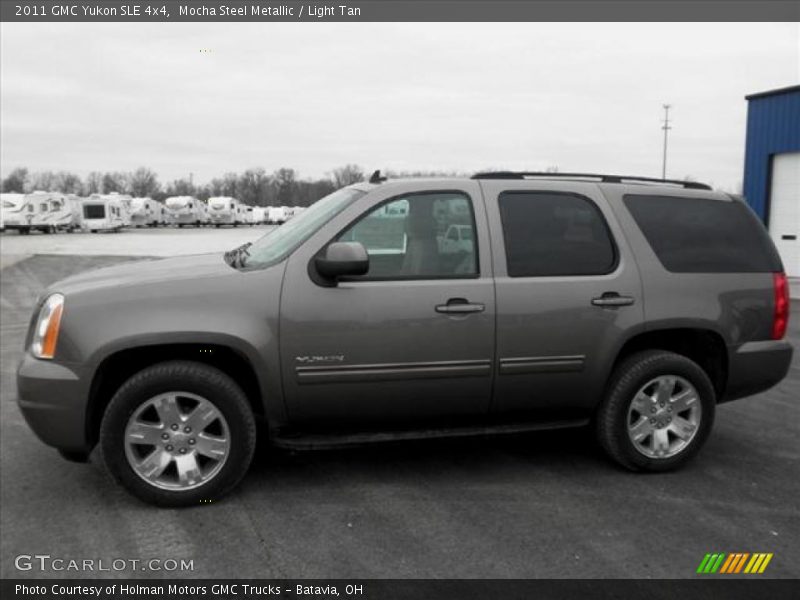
x: 187, y: 210
x: 146, y: 212
x: 224, y: 210
x: 49, y: 212
x: 104, y: 212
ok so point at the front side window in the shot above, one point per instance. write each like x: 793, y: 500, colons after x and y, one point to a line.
x: 551, y: 234
x: 43, y: 207
x: 407, y: 238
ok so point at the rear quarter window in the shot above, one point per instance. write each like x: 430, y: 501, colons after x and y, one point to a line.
x: 702, y: 235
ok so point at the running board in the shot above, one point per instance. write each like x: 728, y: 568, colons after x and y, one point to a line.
x: 318, y: 441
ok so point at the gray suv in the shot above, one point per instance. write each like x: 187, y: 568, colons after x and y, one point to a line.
x: 403, y: 309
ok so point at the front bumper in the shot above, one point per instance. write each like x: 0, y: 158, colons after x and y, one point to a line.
x: 53, y: 399
x: 757, y: 366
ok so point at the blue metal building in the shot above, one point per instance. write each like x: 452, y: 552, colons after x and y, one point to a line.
x: 772, y: 168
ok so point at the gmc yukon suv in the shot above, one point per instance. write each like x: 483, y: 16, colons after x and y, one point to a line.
x: 633, y: 305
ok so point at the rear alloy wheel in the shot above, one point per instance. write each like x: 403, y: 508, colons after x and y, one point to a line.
x: 664, y: 416
x: 178, y: 434
x: 658, y: 411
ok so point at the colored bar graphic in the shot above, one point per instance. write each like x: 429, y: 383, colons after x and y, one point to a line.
x: 728, y: 563
x: 765, y: 563
x: 710, y: 564
x: 734, y: 563
x: 755, y: 563
x: 718, y: 563
x: 757, y: 566
x: 741, y: 562
x: 703, y: 563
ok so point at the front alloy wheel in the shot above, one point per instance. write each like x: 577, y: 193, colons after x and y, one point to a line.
x: 177, y: 441
x: 178, y: 433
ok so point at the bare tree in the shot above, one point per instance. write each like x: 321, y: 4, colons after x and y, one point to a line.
x: 253, y: 187
x: 227, y: 185
x: 144, y: 182
x: 94, y: 183
x: 68, y: 183
x: 309, y: 192
x: 16, y: 180
x: 285, y: 186
x: 346, y: 175
x: 115, y: 182
x: 42, y: 180
x: 181, y: 187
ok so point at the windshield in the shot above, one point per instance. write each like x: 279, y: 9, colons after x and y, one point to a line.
x: 279, y: 243
x: 176, y: 202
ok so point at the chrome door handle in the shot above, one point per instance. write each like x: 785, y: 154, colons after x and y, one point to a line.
x: 612, y: 299
x: 460, y: 306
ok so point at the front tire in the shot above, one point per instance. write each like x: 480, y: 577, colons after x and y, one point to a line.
x: 178, y: 433
x: 657, y: 413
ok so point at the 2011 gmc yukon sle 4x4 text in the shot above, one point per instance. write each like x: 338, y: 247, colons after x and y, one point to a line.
x: 632, y: 305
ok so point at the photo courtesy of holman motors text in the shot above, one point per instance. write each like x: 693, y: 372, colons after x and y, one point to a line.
x: 399, y: 299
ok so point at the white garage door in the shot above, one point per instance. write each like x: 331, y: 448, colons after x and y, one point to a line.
x: 784, y: 210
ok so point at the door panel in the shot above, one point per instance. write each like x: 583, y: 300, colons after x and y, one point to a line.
x: 558, y: 333
x: 784, y: 210
x: 383, y: 353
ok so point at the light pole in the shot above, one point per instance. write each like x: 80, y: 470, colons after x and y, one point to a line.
x: 666, y: 129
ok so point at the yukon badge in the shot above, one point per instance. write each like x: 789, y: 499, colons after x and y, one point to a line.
x: 310, y: 360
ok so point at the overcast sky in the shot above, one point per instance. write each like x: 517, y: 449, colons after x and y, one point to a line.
x: 313, y: 96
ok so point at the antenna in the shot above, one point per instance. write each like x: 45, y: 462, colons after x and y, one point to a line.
x: 376, y: 177
x: 666, y: 129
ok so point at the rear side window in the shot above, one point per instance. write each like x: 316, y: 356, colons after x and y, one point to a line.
x: 700, y: 235
x: 553, y: 234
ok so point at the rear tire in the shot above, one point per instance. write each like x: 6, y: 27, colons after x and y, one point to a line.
x: 178, y: 406
x: 657, y: 413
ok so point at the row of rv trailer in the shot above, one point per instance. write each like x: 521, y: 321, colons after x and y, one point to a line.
x: 51, y: 212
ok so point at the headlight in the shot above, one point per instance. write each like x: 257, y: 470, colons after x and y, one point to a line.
x: 45, y: 336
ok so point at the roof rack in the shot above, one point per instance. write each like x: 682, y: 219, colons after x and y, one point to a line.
x: 691, y: 185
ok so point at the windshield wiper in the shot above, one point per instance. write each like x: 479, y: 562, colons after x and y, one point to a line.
x: 238, y: 256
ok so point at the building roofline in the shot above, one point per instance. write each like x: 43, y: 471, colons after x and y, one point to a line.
x: 775, y: 92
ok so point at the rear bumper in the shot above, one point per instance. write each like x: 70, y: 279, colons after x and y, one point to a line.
x: 757, y: 366
x: 53, y: 399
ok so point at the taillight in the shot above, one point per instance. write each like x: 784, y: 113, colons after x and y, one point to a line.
x: 781, y: 318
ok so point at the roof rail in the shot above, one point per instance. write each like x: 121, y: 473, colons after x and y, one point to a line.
x: 691, y: 185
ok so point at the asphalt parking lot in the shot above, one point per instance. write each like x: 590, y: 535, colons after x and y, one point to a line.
x: 539, y: 505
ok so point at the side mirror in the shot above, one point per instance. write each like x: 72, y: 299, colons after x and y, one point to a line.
x: 342, y: 259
